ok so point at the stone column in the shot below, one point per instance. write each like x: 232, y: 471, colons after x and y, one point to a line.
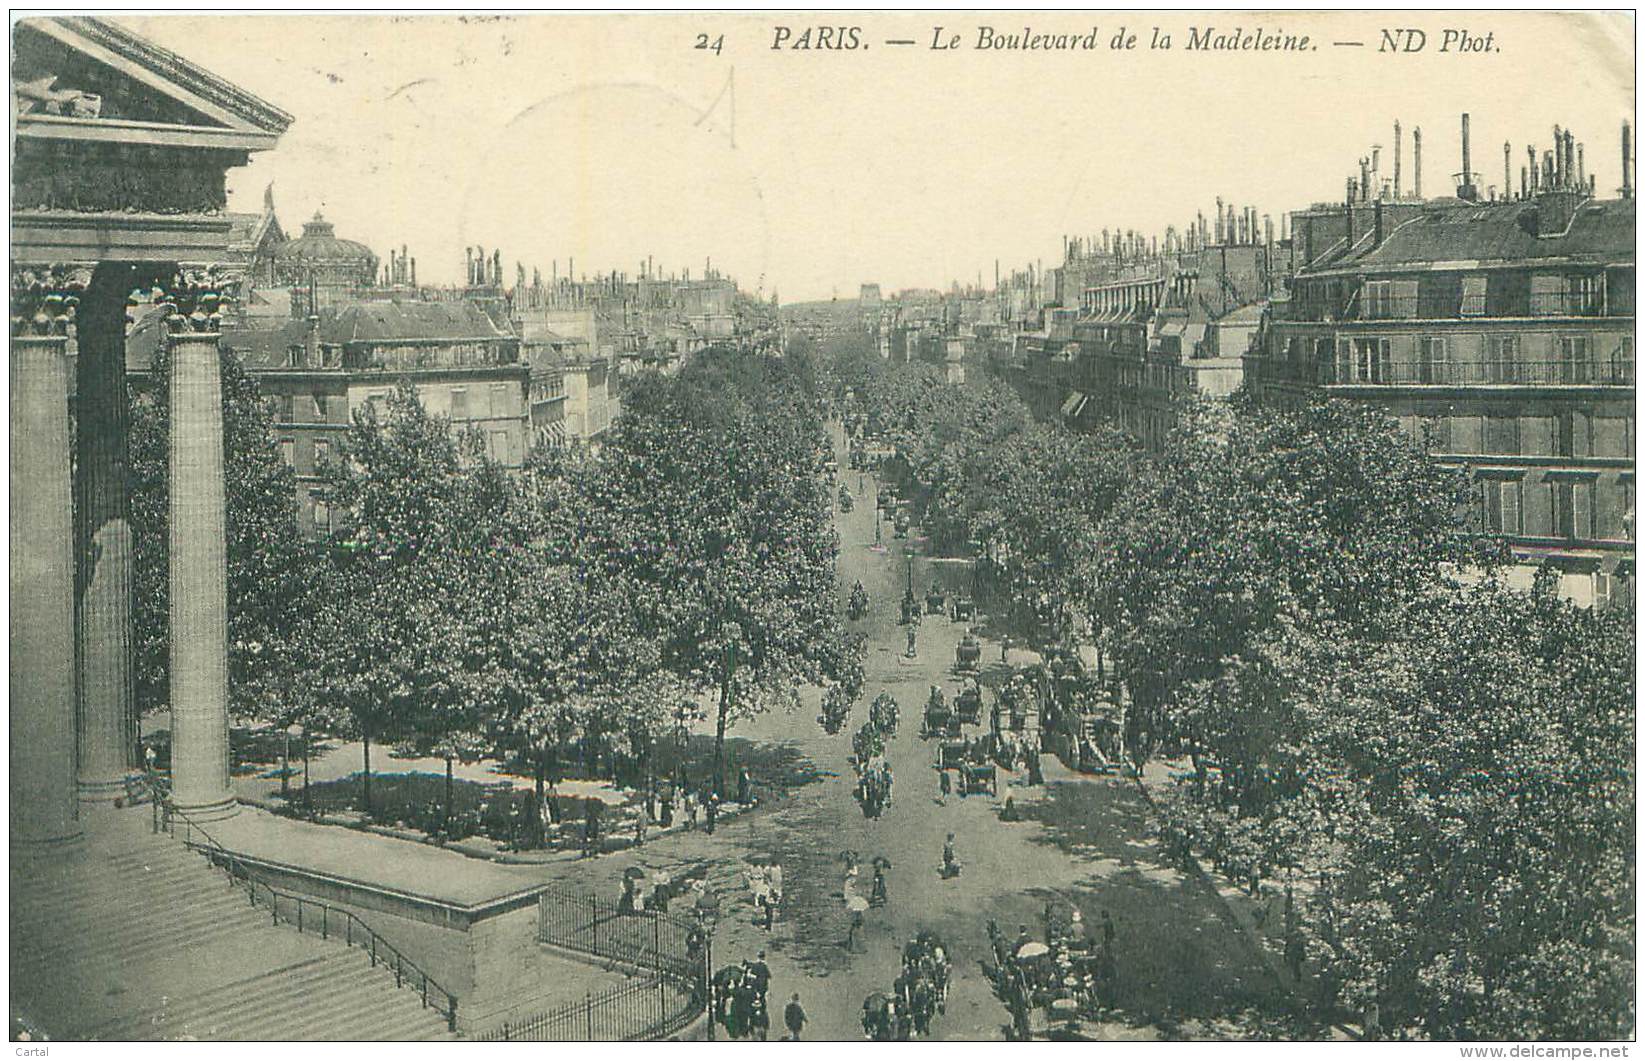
x: 43, y: 810
x: 107, y: 715
x: 199, y: 572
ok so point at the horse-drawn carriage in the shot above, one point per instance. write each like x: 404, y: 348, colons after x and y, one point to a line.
x: 939, y: 718
x: 857, y: 607
x: 962, y: 609
x: 935, y: 600
x: 910, y: 610
x: 845, y: 499
x: 968, y: 654
x: 901, y: 523
x: 978, y: 778
x: 968, y: 705
x: 886, y: 500
x: 952, y: 755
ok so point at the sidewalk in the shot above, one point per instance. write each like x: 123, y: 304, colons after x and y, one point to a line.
x: 1259, y: 918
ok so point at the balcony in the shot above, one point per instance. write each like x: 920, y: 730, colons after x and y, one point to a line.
x: 1615, y: 373
x: 1464, y: 305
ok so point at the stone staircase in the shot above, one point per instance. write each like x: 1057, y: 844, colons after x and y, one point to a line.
x: 135, y: 936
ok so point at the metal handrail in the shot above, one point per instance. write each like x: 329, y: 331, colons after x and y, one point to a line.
x: 353, y: 927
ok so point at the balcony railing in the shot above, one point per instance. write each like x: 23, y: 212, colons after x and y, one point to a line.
x: 1615, y: 373
x: 1366, y: 306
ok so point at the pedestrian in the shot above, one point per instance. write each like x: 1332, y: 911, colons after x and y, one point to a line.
x: 713, y: 802
x: 794, y: 1018
x: 745, y: 787
x: 760, y: 974
x: 1005, y: 650
x: 667, y: 810
x: 150, y: 759
x: 760, y: 1018
x: 878, y: 896
x: 851, y: 931
x: 950, y: 864
x: 1009, y: 814
x: 639, y: 830
x: 1107, y: 930
x: 690, y: 812
x: 591, y: 829
x: 944, y: 785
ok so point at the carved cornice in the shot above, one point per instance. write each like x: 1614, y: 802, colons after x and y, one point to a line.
x: 44, y: 298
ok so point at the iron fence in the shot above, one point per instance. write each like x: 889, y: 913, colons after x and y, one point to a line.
x: 642, y: 1010
x: 591, y: 925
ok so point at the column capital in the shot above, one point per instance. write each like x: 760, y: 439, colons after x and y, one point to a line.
x: 44, y: 298
x: 194, y: 298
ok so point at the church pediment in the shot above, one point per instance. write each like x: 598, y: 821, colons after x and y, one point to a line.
x: 122, y: 147
x: 82, y: 78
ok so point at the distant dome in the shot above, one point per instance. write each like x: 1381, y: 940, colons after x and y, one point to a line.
x: 320, y: 254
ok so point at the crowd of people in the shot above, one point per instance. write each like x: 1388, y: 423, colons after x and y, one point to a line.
x: 1069, y: 976
x: 739, y: 999
x: 919, y: 993
x: 873, y: 789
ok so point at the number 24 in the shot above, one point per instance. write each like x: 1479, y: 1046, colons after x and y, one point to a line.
x: 703, y: 43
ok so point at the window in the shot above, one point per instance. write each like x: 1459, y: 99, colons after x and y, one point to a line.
x: 499, y: 446
x: 1574, y: 507
x: 1372, y: 360
x: 1575, y: 352
x: 1500, y: 504
x: 1501, y: 358
x: 319, y: 407
x: 1547, y: 295
x: 500, y: 405
x: 459, y: 403
x: 322, y: 516
x: 1467, y: 434
x: 1473, y: 296
x: 288, y: 452
x: 1431, y: 352
x: 1586, y: 295
x: 284, y: 411
x: 1377, y: 299
x: 322, y: 451
x: 1622, y: 361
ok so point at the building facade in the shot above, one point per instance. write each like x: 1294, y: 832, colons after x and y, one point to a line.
x: 1501, y: 335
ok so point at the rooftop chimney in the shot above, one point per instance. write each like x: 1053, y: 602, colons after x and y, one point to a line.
x: 1536, y: 171
x: 1570, y: 159
x: 1465, y: 186
x: 1396, y: 160
x: 1507, y: 170
x: 1364, y: 178
x: 1416, y: 162
x: 1559, y: 159
x: 1581, y: 170
x: 1627, y: 161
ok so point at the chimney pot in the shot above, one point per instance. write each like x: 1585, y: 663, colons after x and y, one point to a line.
x: 1416, y: 162
x: 1627, y: 161
x: 1396, y: 160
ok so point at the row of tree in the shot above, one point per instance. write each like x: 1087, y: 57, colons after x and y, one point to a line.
x: 467, y: 610
x: 1298, y: 602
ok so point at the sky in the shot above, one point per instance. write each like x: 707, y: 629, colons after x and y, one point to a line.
x: 592, y: 142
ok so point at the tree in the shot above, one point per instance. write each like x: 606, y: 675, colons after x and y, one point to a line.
x: 269, y: 566
x: 711, y: 505
x: 421, y: 580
